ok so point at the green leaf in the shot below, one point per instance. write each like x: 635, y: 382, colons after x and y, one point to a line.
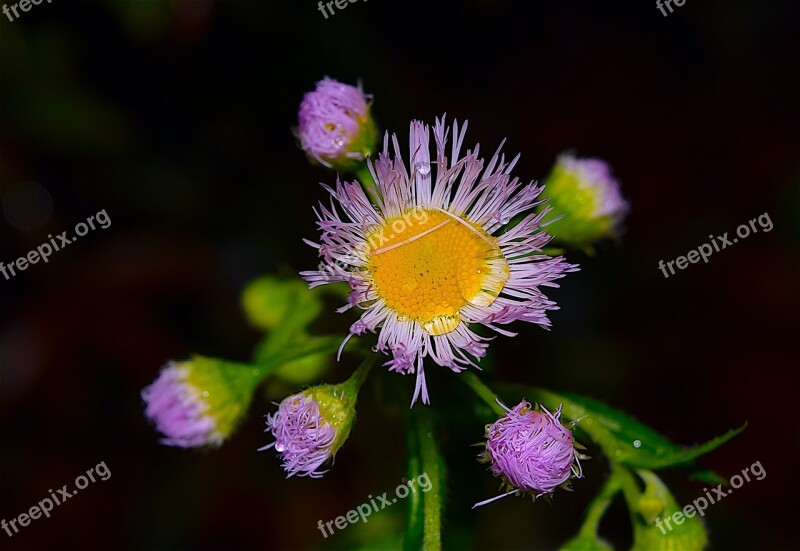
x: 623, y: 439
x: 703, y: 475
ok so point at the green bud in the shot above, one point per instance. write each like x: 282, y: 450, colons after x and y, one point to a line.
x: 199, y: 402
x: 587, y: 197
x: 659, y: 524
x: 268, y: 301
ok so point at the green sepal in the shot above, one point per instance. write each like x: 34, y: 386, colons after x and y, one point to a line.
x: 227, y: 387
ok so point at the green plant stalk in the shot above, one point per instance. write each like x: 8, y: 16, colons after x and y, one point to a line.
x: 598, y: 506
x: 483, y: 392
x: 414, y: 508
x: 424, y: 529
x: 265, y: 363
x: 432, y: 464
x: 353, y: 384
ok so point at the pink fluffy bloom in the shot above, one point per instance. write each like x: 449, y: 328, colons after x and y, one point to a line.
x: 335, y: 127
x: 439, y: 244
x: 179, y: 411
x: 200, y: 401
x: 310, y: 427
x: 532, y: 451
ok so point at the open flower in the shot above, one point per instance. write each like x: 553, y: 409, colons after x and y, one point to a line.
x: 310, y: 427
x: 589, y: 197
x: 531, y: 450
x: 199, y: 402
x: 433, y: 252
x: 335, y: 127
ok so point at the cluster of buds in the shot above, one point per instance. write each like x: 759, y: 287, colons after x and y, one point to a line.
x: 199, y: 402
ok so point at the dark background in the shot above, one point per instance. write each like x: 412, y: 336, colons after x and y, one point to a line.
x: 175, y: 117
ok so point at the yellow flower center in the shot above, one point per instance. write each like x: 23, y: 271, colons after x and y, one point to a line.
x: 428, y: 264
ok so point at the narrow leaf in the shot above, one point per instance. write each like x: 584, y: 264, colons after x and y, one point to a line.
x: 623, y: 439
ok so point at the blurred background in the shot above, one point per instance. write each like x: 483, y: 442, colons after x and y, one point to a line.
x: 175, y: 117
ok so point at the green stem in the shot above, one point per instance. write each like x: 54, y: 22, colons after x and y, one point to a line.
x: 433, y: 465
x: 483, y: 392
x: 267, y: 362
x: 414, y: 506
x: 626, y: 481
x: 598, y: 506
x: 360, y: 374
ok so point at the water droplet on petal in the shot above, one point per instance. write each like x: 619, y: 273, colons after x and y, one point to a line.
x: 279, y: 447
x: 423, y: 168
x: 338, y: 141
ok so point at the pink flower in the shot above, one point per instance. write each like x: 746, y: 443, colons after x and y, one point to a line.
x: 199, y: 402
x: 531, y: 450
x: 335, y: 127
x: 179, y: 411
x: 449, y: 241
x: 310, y: 427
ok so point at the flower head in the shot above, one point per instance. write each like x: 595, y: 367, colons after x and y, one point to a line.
x: 531, y: 450
x: 310, y: 427
x: 433, y: 251
x: 198, y: 402
x: 335, y: 126
x: 584, y: 190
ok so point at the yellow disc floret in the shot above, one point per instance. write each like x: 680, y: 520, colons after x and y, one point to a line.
x: 428, y: 264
